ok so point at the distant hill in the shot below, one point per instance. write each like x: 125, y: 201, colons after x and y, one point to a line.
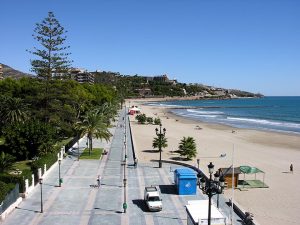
x: 10, y: 72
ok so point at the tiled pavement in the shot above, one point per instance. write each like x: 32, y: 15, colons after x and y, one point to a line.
x: 78, y: 203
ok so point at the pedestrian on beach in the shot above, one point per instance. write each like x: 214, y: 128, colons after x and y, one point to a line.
x: 99, y: 181
x: 291, y: 168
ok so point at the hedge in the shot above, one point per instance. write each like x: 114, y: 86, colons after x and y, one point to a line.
x: 48, y: 159
x: 4, y: 189
x: 20, y: 179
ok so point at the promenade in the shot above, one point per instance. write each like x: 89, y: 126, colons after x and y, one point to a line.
x: 76, y: 202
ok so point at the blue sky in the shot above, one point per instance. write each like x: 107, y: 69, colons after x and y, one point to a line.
x: 252, y: 45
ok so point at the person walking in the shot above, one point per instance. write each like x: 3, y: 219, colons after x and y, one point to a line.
x: 99, y: 181
x: 291, y: 168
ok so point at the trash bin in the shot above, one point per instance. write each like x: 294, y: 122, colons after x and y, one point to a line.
x: 185, y: 181
x: 61, y: 180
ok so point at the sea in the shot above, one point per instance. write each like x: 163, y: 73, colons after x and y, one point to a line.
x: 280, y: 114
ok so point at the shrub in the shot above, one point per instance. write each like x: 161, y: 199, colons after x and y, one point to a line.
x: 14, y: 179
x: 149, y: 120
x: 157, y: 121
x: 141, y: 118
x: 4, y: 189
x: 48, y: 159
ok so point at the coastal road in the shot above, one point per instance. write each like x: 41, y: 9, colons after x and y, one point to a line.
x: 78, y: 203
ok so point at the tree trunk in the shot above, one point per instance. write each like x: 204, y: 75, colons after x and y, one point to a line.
x: 91, y: 145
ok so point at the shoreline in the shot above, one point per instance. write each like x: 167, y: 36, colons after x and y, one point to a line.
x: 271, y: 152
x: 232, y: 126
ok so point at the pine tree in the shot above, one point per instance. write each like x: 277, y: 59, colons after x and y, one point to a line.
x: 52, y: 59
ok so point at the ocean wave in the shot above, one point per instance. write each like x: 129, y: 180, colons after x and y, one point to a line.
x: 196, y: 115
x: 205, y: 112
x: 164, y: 105
x: 265, y: 122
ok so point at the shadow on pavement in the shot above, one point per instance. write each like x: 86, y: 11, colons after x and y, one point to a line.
x: 178, y: 158
x: 111, y: 185
x: 109, y: 210
x: 169, y: 217
x: 168, y: 189
x: 141, y: 204
x: 36, y: 211
x: 52, y: 185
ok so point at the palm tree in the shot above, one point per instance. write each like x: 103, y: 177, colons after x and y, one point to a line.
x: 107, y: 110
x: 187, y: 147
x: 160, y: 142
x: 13, y: 110
x: 94, y: 124
x: 6, y: 162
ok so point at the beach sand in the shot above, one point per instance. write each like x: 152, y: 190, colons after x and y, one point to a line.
x: 269, y: 151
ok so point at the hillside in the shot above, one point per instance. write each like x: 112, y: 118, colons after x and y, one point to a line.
x: 150, y: 86
x: 161, y: 86
x: 10, y: 72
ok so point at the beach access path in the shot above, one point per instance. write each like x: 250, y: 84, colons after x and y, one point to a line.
x: 76, y: 202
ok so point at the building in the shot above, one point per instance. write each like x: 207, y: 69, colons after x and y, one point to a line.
x: 143, y: 92
x: 1, y: 72
x: 82, y: 76
x: 227, y: 172
x: 163, y: 78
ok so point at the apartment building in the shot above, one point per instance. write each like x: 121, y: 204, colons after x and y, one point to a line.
x: 82, y: 76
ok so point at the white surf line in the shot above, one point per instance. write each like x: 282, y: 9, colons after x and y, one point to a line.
x: 174, y: 198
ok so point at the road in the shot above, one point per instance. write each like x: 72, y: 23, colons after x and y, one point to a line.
x: 76, y: 202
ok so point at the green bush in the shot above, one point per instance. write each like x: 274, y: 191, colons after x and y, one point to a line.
x: 141, y: 118
x: 14, y: 179
x: 149, y: 120
x: 48, y: 159
x: 4, y: 189
x: 157, y: 121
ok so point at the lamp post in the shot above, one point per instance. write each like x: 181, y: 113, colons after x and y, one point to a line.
x: 124, y: 162
x: 211, y: 187
x: 160, y: 136
x: 41, y: 185
x: 198, y: 163
x: 59, y: 179
x: 125, y: 200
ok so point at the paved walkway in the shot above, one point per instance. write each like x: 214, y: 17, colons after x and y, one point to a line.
x: 78, y: 203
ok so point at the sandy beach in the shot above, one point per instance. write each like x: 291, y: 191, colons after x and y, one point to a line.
x: 269, y: 151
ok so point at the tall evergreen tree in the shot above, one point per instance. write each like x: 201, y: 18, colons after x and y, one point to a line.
x: 52, y: 59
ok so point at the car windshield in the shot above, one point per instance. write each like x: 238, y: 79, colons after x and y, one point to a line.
x: 154, y: 198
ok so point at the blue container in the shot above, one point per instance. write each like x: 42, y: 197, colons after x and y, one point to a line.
x: 185, y: 181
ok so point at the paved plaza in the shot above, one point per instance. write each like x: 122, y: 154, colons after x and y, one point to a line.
x: 77, y: 202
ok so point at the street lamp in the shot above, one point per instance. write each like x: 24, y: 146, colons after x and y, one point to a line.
x: 125, y: 200
x: 59, y: 179
x: 41, y: 185
x: 124, y: 183
x: 160, y: 136
x: 212, y: 187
